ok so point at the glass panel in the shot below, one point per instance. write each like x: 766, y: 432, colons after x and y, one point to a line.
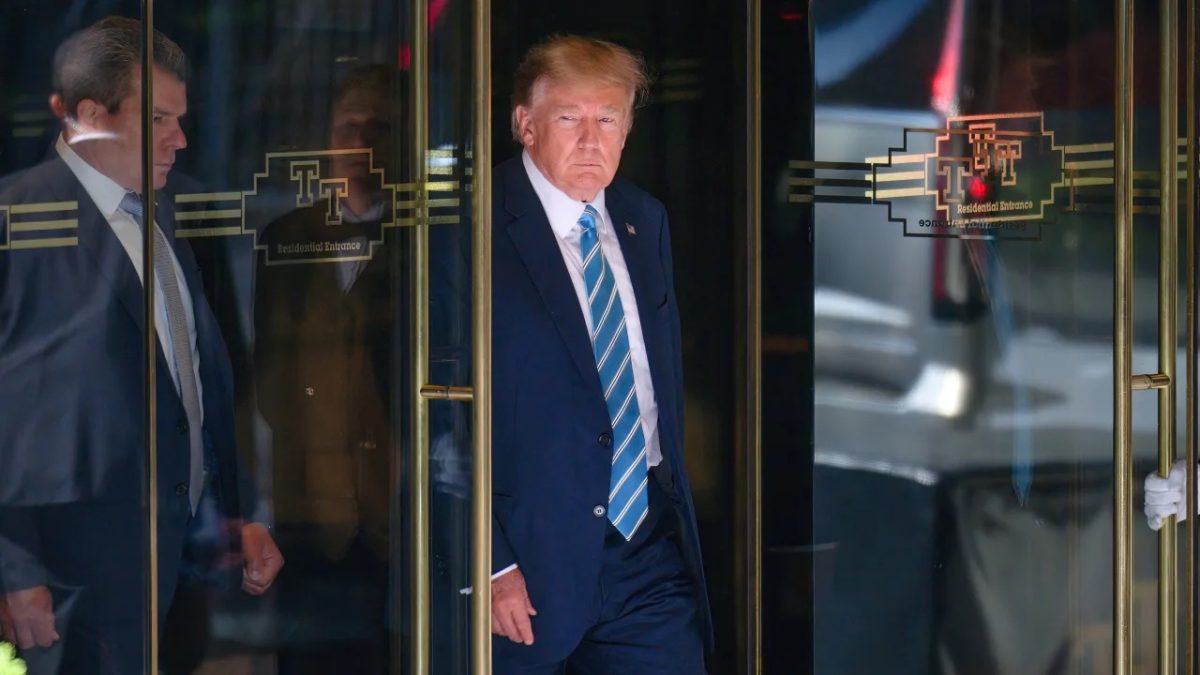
x: 73, y: 333
x: 953, y: 167
x: 299, y: 196
x: 288, y: 197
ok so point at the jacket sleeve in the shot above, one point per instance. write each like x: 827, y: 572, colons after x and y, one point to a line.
x: 20, y: 550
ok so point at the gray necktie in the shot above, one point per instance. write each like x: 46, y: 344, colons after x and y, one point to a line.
x: 164, y: 271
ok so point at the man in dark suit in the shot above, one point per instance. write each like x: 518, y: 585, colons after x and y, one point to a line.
x: 72, y: 441
x: 324, y: 339
x: 595, y: 553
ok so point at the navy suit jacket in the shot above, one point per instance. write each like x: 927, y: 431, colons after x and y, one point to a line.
x: 550, y: 468
x: 72, y: 412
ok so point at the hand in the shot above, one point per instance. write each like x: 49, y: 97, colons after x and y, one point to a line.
x: 511, y: 608
x: 27, y: 618
x: 1164, y: 496
x: 262, y: 559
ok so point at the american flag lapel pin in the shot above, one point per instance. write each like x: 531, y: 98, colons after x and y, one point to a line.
x: 630, y: 229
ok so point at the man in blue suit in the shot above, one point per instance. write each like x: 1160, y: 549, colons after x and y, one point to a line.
x: 595, y: 555
x: 72, y: 421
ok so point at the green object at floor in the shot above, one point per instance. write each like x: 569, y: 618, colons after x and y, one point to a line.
x: 9, y: 663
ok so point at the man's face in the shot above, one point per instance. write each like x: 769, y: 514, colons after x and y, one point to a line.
x: 360, y: 120
x: 574, y: 132
x: 113, y: 141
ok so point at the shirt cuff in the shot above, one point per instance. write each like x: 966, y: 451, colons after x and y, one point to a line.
x: 497, y: 575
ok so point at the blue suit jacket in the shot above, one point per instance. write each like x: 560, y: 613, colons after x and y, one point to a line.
x: 72, y: 426
x: 550, y: 470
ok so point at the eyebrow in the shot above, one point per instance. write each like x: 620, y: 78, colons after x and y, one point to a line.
x: 169, y: 113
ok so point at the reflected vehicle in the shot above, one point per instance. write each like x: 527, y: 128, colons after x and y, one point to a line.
x: 963, y: 386
x: 897, y: 327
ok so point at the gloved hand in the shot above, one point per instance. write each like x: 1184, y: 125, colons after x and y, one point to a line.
x: 1164, y: 496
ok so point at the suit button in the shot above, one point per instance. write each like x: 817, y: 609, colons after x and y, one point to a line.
x: 605, y: 439
x: 310, y: 391
x: 181, y: 489
x: 599, y: 511
x: 182, y: 426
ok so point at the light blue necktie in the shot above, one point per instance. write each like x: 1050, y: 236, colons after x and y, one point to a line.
x: 181, y: 345
x: 627, y: 503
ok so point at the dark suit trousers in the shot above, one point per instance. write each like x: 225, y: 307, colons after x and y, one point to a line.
x: 644, y: 618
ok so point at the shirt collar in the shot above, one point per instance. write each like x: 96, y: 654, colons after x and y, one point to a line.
x: 562, y: 211
x: 371, y: 215
x: 103, y: 190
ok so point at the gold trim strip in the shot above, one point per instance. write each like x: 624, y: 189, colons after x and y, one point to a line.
x: 220, y: 214
x: 22, y: 244
x: 31, y: 116
x: 19, y: 209
x: 898, y: 176
x: 1122, y: 640
x: 442, y: 186
x: 197, y: 232
x: 481, y: 357
x: 1088, y: 181
x: 1089, y: 164
x: 897, y: 159
x: 829, y: 182
x: 1087, y: 148
x: 900, y: 192
x: 444, y: 203
x: 832, y: 166
x: 43, y: 225
x: 195, y: 197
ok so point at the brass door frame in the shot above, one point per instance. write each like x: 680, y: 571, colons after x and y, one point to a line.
x: 1165, y: 381
x: 749, y: 465
x: 479, y: 393
x: 150, y: 342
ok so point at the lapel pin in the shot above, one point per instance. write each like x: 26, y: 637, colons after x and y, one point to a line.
x: 630, y: 229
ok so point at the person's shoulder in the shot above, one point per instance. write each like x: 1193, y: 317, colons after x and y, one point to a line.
x: 51, y: 177
x: 634, y: 197
x: 506, y: 171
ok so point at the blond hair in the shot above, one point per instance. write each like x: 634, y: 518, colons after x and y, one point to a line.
x: 573, y: 58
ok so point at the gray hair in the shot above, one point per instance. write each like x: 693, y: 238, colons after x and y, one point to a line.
x: 97, y: 62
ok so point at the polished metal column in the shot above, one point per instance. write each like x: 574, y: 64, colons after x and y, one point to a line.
x: 481, y: 362
x: 1189, y: 578
x: 1122, y: 329
x: 150, y: 341
x: 1168, y: 265
x: 418, y: 306
x: 752, y: 351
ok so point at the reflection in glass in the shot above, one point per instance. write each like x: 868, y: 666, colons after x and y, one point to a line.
x: 963, y: 372
x: 73, y: 546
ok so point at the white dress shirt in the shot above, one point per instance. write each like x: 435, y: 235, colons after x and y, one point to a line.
x: 563, y: 213
x: 107, y: 196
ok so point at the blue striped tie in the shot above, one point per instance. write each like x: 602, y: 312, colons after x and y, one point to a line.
x: 627, y: 504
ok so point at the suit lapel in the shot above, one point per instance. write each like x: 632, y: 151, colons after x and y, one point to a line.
x: 534, y: 240
x: 639, y: 246
x: 106, y: 253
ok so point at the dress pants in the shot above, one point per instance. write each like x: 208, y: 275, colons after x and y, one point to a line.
x: 644, y: 617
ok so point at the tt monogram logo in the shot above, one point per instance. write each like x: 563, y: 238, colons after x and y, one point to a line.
x: 311, y: 188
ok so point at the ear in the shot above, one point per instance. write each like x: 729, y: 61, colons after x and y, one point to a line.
x: 90, y: 112
x: 525, y: 125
